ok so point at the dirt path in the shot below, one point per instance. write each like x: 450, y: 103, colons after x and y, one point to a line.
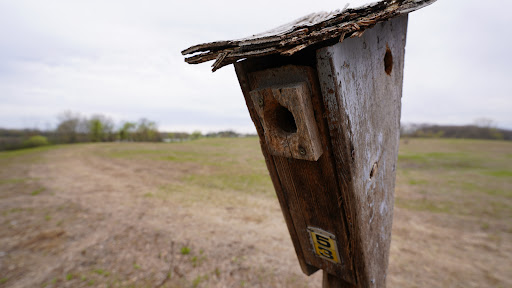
x: 105, y: 223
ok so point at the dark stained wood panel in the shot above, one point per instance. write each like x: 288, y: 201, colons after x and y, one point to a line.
x: 308, y: 190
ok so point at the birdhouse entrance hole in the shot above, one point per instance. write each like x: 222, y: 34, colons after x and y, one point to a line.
x: 284, y: 120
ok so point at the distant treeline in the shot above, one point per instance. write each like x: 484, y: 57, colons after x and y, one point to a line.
x: 74, y: 128
x: 184, y: 136
x: 479, y: 131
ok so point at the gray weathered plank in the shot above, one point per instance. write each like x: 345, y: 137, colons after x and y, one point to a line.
x: 361, y: 82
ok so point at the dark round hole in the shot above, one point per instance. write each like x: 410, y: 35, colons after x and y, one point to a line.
x: 285, y: 120
x: 388, y: 61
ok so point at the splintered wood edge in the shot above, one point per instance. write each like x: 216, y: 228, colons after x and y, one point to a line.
x: 298, y: 35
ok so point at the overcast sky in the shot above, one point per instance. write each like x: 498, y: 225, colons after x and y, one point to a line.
x: 122, y: 59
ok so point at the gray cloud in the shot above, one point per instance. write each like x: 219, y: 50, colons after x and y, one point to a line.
x: 122, y: 58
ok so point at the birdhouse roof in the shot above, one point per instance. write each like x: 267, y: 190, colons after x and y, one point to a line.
x: 312, y: 29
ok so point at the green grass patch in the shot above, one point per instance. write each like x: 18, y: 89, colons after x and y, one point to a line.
x: 197, y: 260
x: 439, y: 160
x: 25, y: 152
x: 498, y: 192
x: 181, y: 157
x: 185, y: 250
x: 127, y: 153
x: 418, y: 182
x: 15, y: 210
x: 175, y: 188
x: 500, y: 173
x: 207, y: 151
x: 192, y: 195
x: 225, y: 142
x: 433, y: 156
x: 500, y: 208
x: 102, y: 272
x: 14, y: 180
x: 482, y: 187
x: 253, y: 183
x: 198, y: 280
x: 37, y: 191
x: 148, y: 195
x: 425, y: 205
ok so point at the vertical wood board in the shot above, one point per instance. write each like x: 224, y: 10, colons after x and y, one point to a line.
x: 361, y: 82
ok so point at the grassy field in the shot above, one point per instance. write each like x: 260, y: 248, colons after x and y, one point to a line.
x: 456, y: 177
x: 202, y: 214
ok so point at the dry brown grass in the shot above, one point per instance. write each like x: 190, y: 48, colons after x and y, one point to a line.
x: 203, y: 214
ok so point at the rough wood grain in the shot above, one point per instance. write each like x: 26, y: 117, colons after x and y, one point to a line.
x: 361, y: 82
x: 314, y: 29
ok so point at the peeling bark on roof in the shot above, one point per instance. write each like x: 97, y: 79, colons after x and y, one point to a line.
x: 293, y: 37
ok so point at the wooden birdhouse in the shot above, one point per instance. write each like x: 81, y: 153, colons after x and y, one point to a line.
x: 324, y: 93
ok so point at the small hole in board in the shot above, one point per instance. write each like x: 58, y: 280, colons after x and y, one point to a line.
x: 374, y: 170
x: 388, y: 61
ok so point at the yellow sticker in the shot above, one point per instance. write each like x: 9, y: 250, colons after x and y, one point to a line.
x: 324, y: 244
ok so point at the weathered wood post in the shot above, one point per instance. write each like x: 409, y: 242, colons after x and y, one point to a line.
x: 325, y: 95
